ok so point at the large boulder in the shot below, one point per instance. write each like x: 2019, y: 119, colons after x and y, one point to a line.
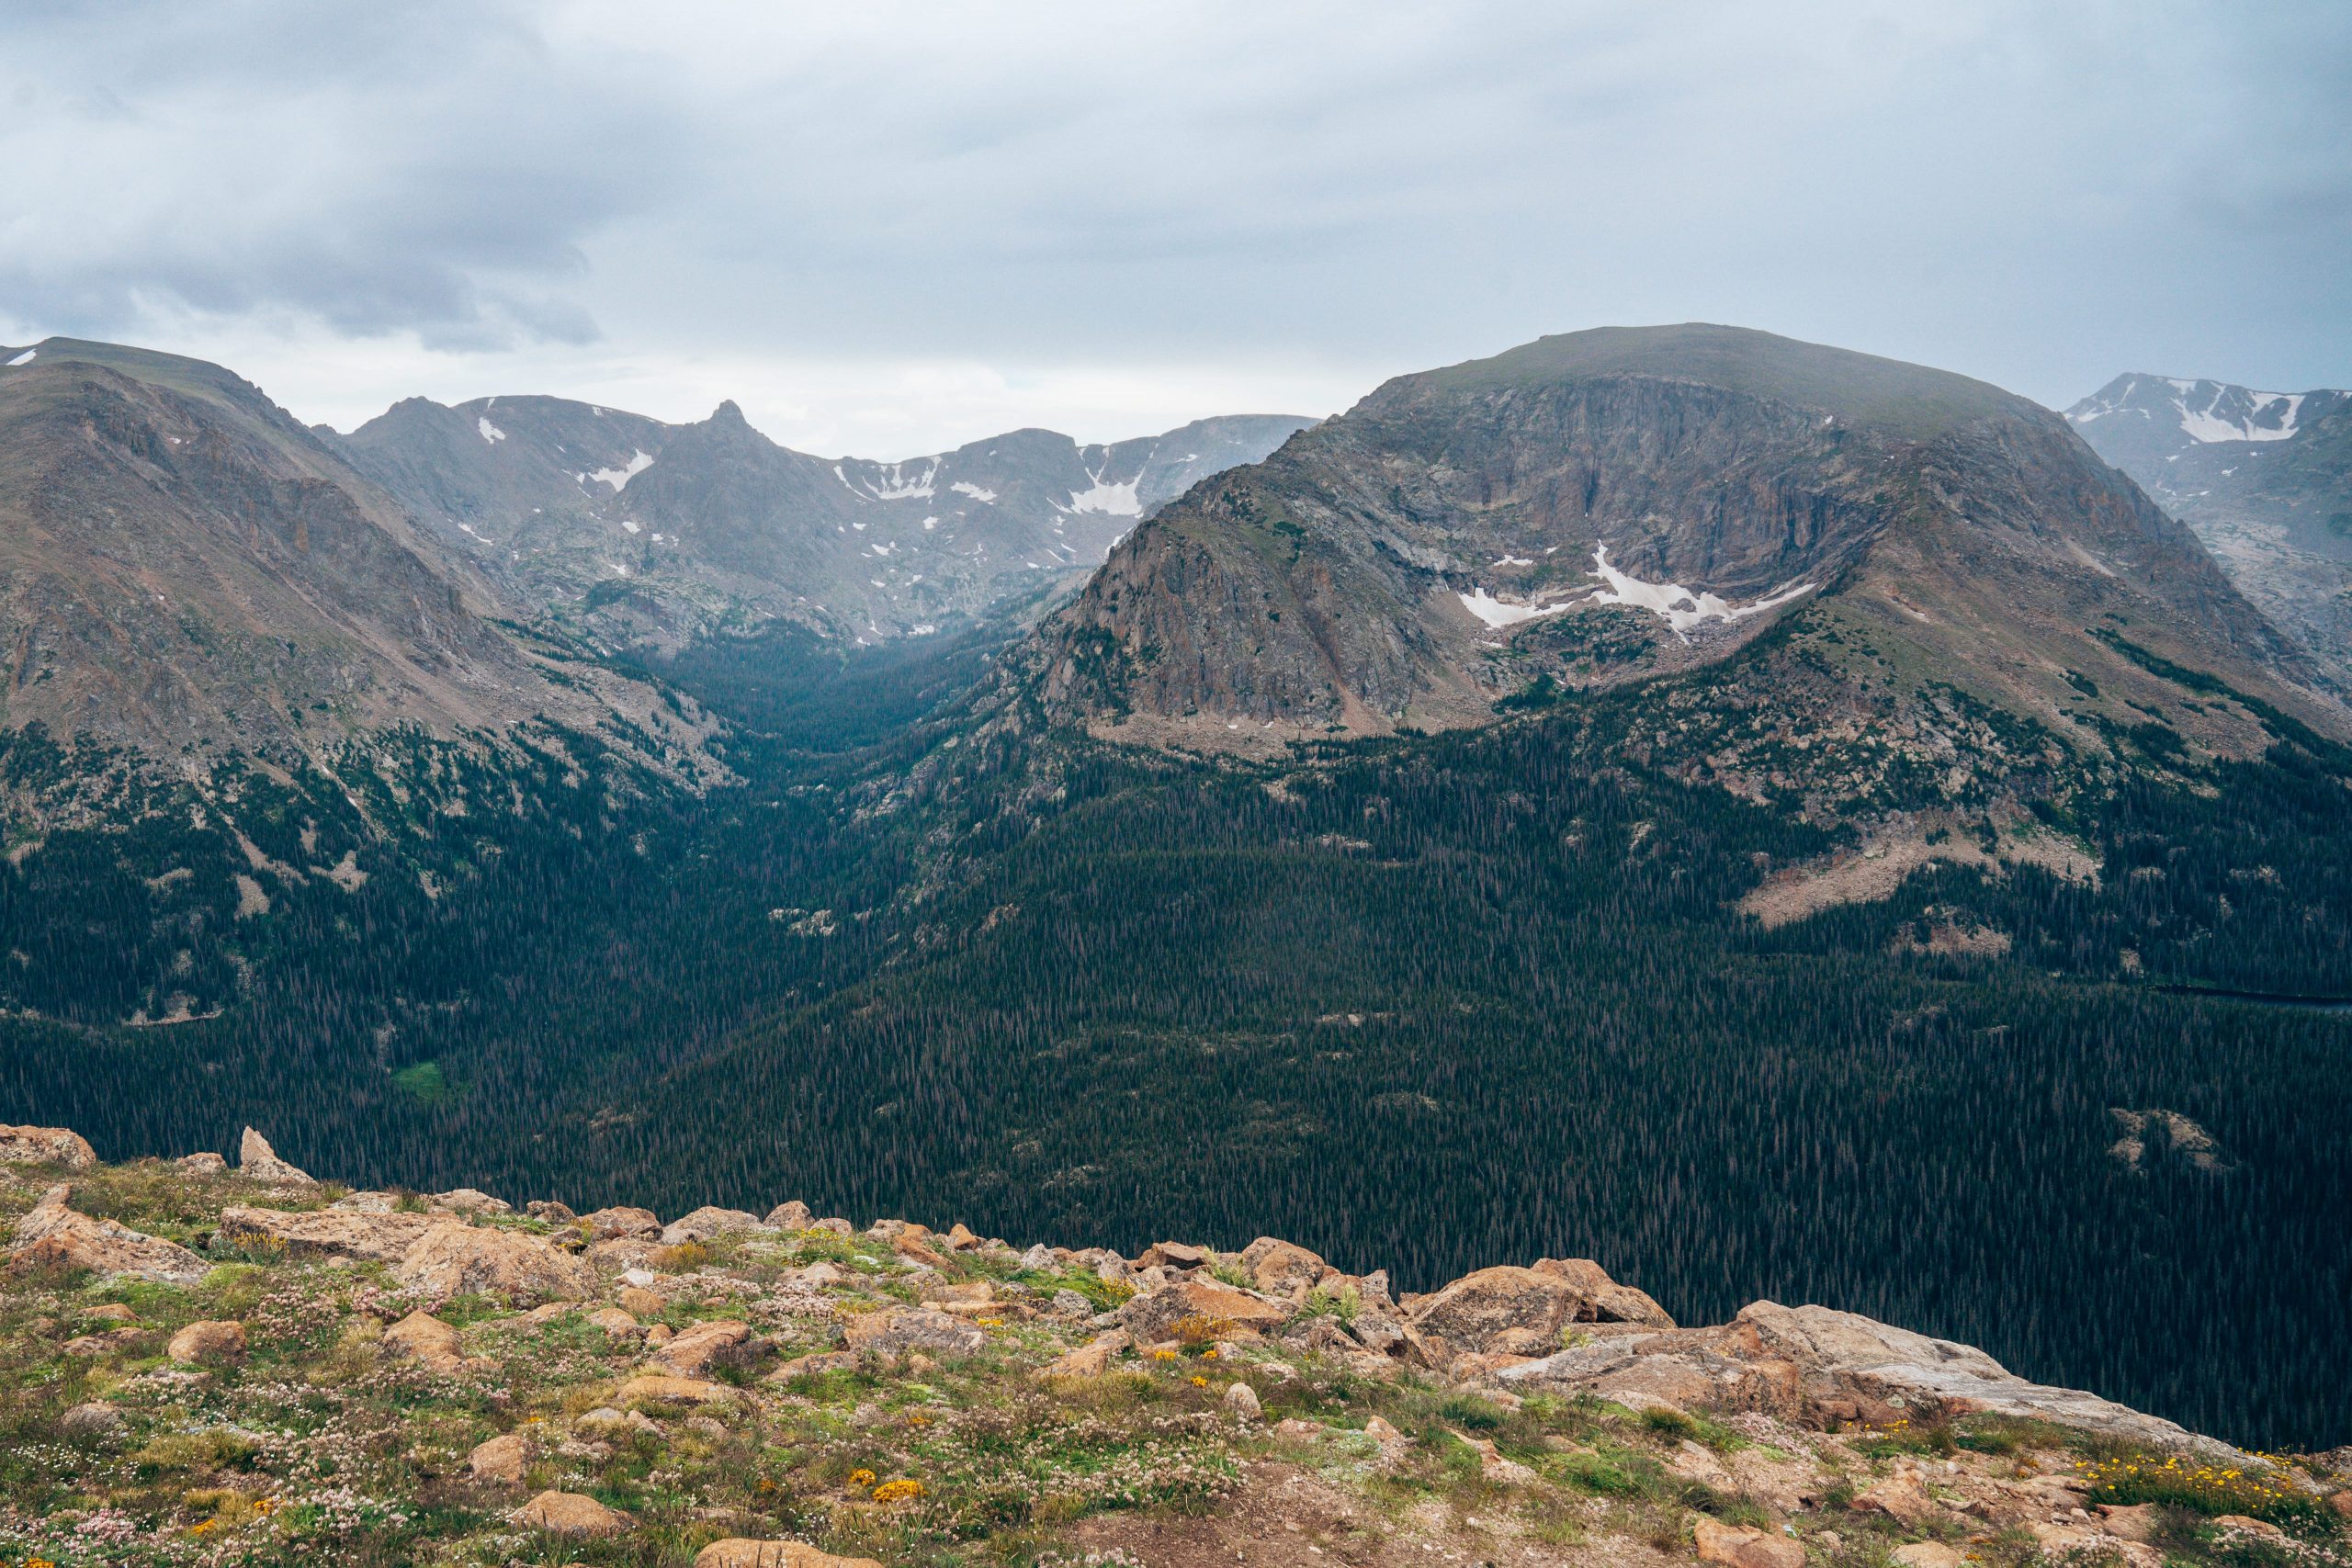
x: 705, y: 1223
x: 1206, y: 1307
x: 1743, y: 1546
x: 208, y: 1341
x: 568, y: 1513
x: 501, y: 1460
x: 1282, y: 1270
x: 330, y: 1233
x: 739, y: 1551
x: 453, y: 1259
x: 1524, y: 1310
x: 258, y: 1159
x: 793, y: 1215
x: 694, y: 1351
x: 623, y: 1224
x: 427, y: 1338
x: 52, y: 1234
x: 46, y: 1145
x: 1842, y: 1355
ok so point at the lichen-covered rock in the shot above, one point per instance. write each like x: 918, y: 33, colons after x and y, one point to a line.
x: 568, y: 1513
x: 794, y: 1216
x: 1743, y: 1546
x: 46, y: 1145
x: 705, y: 1223
x: 1478, y: 1311
x: 258, y: 1159
x: 501, y: 1460
x: 208, y: 1341
x: 369, y: 1238
x: 739, y: 1551
x: 425, y: 1337
x: 451, y: 1259
x: 694, y: 1351
x: 52, y: 1235
x: 897, y: 1330
x: 92, y: 1420
x: 471, y: 1201
x: 623, y: 1224
x: 205, y: 1164
x: 662, y: 1389
x: 1214, y: 1310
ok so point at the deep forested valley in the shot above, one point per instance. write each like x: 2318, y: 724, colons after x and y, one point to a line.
x: 1432, y: 1000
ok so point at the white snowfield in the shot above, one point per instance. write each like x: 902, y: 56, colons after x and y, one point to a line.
x: 1107, y: 500
x: 2212, y: 410
x: 23, y: 359
x: 891, y: 482
x: 1679, y: 607
x: 618, y: 478
x: 965, y: 487
x: 490, y: 431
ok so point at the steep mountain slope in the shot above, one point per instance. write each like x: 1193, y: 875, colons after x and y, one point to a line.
x: 2265, y: 479
x: 647, y: 534
x: 1621, y: 504
x: 186, y: 566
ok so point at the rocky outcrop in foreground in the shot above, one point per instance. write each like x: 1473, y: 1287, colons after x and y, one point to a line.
x: 259, y: 1367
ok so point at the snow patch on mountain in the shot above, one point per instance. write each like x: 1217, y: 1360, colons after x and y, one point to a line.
x: 1679, y: 607
x: 23, y: 359
x: 618, y: 478
x: 1501, y: 613
x: 965, y: 487
x: 490, y: 431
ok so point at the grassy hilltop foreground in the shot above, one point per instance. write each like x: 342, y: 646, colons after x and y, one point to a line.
x: 216, y: 1366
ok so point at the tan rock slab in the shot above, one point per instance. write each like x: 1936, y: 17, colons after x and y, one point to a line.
x: 453, y: 1259
x: 695, y: 1349
x: 501, y: 1460
x: 568, y: 1513
x: 46, y: 1145
x: 741, y: 1552
x: 330, y: 1233
x: 1742, y: 1546
x: 208, y: 1341
x: 1925, y: 1554
x: 623, y: 1224
x: 424, y: 1336
x: 53, y: 1234
x: 659, y: 1386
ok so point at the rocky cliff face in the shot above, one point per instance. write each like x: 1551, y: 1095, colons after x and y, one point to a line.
x: 184, y: 565
x: 267, y: 1365
x: 639, y: 533
x: 1621, y: 504
x: 2265, y: 479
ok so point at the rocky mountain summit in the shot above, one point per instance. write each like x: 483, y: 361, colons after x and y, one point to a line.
x: 1620, y: 504
x: 250, y: 1365
x: 184, y: 569
x: 639, y: 533
x: 2265, y: 479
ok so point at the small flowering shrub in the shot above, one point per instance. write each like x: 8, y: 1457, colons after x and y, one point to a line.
x: 2204, y: 1487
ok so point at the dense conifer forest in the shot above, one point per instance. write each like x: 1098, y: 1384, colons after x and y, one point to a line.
x: 1427, y: 1003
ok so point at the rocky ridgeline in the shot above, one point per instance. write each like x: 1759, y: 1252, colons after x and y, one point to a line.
x: 495, y: 1386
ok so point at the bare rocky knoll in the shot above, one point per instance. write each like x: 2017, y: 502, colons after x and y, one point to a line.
x: 636, y: 533
x: 1618, y: 504
x: 213, y: 1365
x: 184, y: 569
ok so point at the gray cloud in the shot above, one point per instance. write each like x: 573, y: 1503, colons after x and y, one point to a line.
x: 2038, y: 194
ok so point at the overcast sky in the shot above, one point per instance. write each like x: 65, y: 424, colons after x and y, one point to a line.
x: 885, y: 227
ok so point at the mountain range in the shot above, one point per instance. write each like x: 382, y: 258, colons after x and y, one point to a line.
x: 2265, y: 479
x: 645, y: 534
x: 1801, y: 824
